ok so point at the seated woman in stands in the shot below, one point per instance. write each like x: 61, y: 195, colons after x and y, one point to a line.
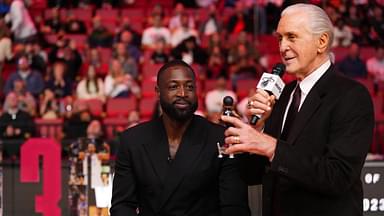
x: 91, y: 86
x: 117, y: 84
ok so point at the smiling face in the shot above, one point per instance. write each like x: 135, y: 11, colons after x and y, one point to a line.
x: 301, y: 50
x: 177, y: 93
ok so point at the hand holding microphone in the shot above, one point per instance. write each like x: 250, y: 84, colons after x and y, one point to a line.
x: 269, y: 88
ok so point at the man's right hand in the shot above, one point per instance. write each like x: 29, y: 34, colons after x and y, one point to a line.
x: 261, y: 104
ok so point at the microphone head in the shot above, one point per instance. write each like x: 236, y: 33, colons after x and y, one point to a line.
x: 228, y: 101
x: 278, y: 69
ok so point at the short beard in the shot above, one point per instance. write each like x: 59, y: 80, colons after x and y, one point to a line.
x: 177, y: 114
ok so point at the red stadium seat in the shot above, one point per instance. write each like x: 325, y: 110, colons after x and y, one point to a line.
x: 210, y: 84
x: 94, y: 105
x: 243, y: 87
x: 340, y: 53
x: 148, y: 88
x: 82, y: 14
x: 108, y: 14
x: 149, y: 70
x: 113, y: 125
x: 105, y: 54
x: 50, y: 128
x: 147, y: 106
x: 133, y: 12
x: 120, y: 107
x: 268, y: 44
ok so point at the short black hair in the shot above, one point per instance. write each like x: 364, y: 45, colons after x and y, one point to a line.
x: 174, y: 63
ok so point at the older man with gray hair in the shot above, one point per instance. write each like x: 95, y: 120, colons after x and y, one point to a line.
x: 309, y: 147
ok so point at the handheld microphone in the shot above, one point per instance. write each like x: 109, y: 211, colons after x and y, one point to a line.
x: 228, y: 107
x: 271, y: 83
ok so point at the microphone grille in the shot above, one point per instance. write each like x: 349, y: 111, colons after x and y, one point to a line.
x: 278, y: 69
x: 228, y: 101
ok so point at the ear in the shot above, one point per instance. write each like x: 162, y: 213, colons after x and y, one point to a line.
x: 323, y: 43
x: 157, y: 90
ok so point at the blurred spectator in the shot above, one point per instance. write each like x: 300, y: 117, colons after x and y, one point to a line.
x: 175, y: 20
x: 66, y: 51
x: 75, y: 125
x: 127, y: 38
x: 183, y: 32
x: 117, y: 84
x: 240, y: 48
x: 73, y: 25
x: 241, y: 107
x: 342, y: 34
x: 5, y: 47
x: 377, y: 23
x: 216, y: 64
x: 49, y: 105
x: 214, y: 99
x: 91, y: 87
x: 375, y: 66
x: 93, y: 59
x: 128, y: 63
x: 54, y: 23
x: 15, y: 123
x: 155, y: 32
x: 240, y: 21
x: 205, y: 3
x: 159, y: 55
x: 100, y: 36
x: 216, y: 40
x: 5, y: 43
x: 34, y: 82
x: 244, y: 68
x: 352, y: 65
x: 23, y: 28
x: 212, y: 24
x: 125, y: 25
x: 158, y: 10
x: 190, y: 52
x: 37, y: 57
x: 366, y: 36
x: 26, y: 101
x: 4, y: 8
x: 58, y: 83
x: 354, y: 20
x: 96, y: 135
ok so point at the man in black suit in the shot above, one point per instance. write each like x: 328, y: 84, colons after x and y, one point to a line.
x: 309, y: 147
x: 170, y: 165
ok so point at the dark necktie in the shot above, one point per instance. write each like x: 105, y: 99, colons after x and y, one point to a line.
x: 292, y: 111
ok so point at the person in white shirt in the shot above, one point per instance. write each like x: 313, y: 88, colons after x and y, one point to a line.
x: 155, y: 33
x: 117, y: 84
x: 183, y: 31
x: 91, y: 87
x: 23, y: 27
x: 375, y: 65
x: 214, y: 99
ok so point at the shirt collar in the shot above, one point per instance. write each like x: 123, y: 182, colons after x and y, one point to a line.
x: 308, y: 82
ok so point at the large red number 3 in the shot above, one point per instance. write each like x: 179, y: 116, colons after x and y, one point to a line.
x: 48, y: 202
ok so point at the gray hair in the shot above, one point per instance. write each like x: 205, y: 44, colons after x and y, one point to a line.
x: 318, y: 20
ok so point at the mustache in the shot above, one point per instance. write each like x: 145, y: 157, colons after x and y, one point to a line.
x: 182, y: 100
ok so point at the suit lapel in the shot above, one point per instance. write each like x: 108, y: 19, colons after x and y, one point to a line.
x: 311, y: 104
x: 190, y: 147
x: 157, y: 149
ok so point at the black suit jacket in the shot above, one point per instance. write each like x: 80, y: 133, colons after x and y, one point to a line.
x: 195, y: 183
x: 317, y: 170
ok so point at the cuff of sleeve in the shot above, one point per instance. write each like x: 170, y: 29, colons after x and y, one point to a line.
x: 279, y: 159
